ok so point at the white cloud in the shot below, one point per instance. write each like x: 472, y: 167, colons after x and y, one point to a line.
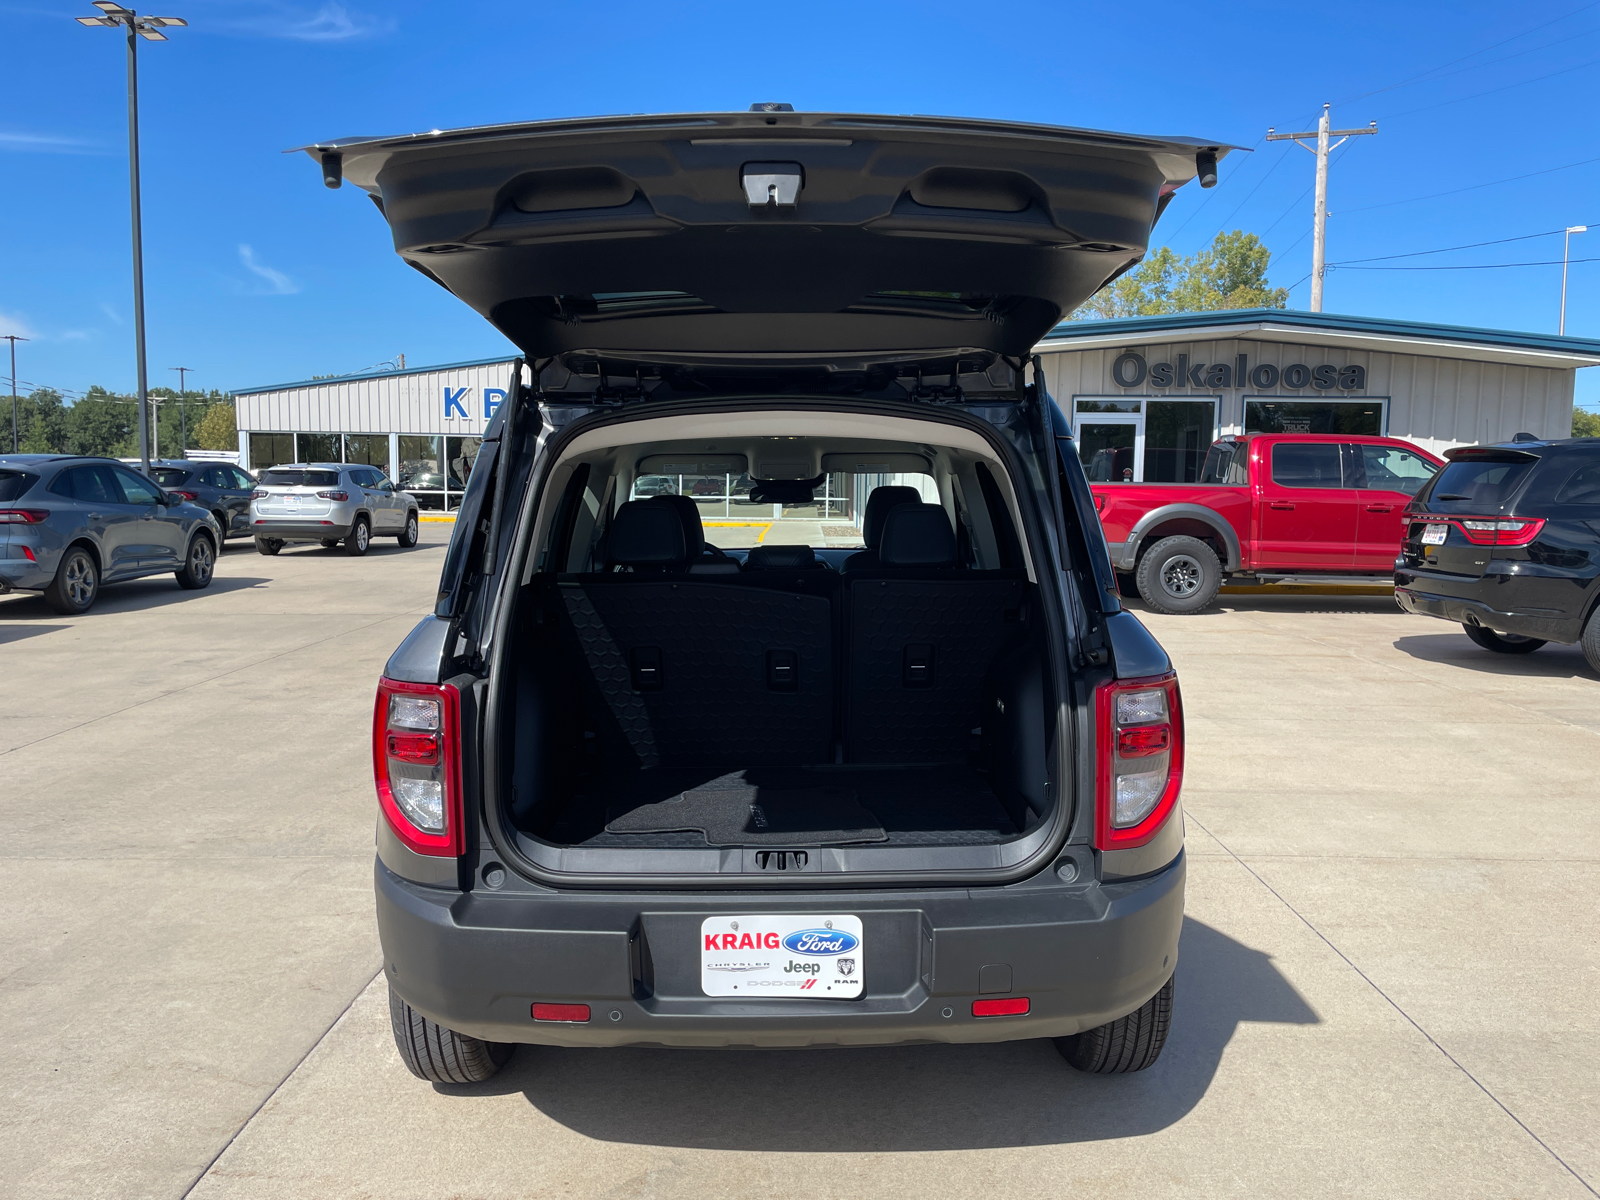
x: 330, y: 23
x: 278, y: 284
x: 111, y: 313
x: 12, y: 323
x: 44, y: 143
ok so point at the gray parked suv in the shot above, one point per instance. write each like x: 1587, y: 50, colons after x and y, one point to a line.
x: 330, y: 503
x: 70, y: 524
x: 221, y: 488
x: 637, y: 792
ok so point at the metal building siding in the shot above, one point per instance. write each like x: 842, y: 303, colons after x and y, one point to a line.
x: 1436, y: 402
x: 410, y: 403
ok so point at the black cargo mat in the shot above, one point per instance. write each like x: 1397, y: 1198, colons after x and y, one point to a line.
x: 733, y: 811
x: 947, y: 805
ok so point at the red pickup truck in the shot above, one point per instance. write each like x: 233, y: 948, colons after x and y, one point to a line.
x: 1266, y: 506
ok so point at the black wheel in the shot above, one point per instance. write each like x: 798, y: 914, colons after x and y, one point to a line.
x: 440, y: 1055
x: 329, y: 543
x: 1179, y: 575
x: 408, y: 536
x: 268, y: 545
x: 1591, y: 640
x: 76, y: 584
x: 360, y: 539
x: 1129, y: 1043
x: 1503, y: 643
x: 199, y: 564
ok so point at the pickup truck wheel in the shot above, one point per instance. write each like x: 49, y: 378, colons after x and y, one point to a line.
x: 1179, y: 575
x: 1503, y: 643
x: 1129, y: 1043
x: 440, y: 1055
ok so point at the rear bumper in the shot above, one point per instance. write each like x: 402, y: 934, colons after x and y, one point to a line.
x: 298, y: 531
x: 1082, y: 954
x: 1462, y: 610
x: 20, y: 575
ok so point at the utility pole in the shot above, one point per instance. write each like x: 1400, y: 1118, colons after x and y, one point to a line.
x: 183, y: 412
x: 1319, y: 230
x: 1566, y: 244
x: 15, y: 340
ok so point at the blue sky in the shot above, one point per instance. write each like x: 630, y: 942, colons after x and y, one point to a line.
x: 256, y: 274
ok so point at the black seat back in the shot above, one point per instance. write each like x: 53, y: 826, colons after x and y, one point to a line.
x: 879, y: 503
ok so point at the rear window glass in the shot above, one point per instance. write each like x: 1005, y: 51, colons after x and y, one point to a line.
x: 1310, y: 465
x: 1477, y: 483
x: 1227, y: 462
x: 300, y: 478
x: 169, y: 476
x: 14, y: 483
x: 1582, y: 488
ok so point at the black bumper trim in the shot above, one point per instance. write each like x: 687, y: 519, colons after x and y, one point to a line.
x: 473, y: 962
x: 1475, y: 612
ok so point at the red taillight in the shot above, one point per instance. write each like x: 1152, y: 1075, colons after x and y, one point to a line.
x: 1139, y: 735
x: 416, y: 764
x: 560, y: 1012
x: 182, y: 495
x: 1011, y: 1006
x: 260, y: 494
x: 23, y: 516
x: 1499, y: 531
x: 334, y: 495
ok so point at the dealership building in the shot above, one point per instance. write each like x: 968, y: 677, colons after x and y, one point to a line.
x: 1146, y: 396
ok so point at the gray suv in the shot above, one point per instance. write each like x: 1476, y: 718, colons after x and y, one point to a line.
x: 70, y: 524
x: 330, y: 503
x: 635, y: 792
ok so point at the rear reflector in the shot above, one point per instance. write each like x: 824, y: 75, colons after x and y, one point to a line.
x: 563, y: 1012
x: 1011, y: 1006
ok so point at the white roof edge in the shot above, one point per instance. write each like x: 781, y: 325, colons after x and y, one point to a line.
x: 1272, y: 331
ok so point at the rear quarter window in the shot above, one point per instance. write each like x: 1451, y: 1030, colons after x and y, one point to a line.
x: 1581, y: 487
x: 15, y: 484
x: 1474, y: 484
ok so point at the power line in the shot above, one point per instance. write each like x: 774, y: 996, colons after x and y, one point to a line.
x: 1447, y: 249
x: 1473, y: 188
x: 1554, y: 262
x: 1492, y: 91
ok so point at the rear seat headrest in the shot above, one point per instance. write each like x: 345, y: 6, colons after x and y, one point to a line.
x: 782, y: 558
x: 879, y: 504
x: 694, y: 534
x: 646, y: 534
x: 917, y: 535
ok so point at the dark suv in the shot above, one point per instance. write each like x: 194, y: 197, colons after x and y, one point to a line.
x: 1506, y: 540
x: 637, y: 791
x: 222, y: 489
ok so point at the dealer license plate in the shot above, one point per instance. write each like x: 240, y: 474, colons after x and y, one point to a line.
x: 1434, y: 535
x: 291, y: 503
x: 781, y: 956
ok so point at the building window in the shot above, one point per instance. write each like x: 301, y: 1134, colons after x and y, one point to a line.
x: 1282, y: 414
x: 270, y: 450
x: 369, y: 449
x: 1144, y: 441
x: 421, y: 469
x: 461, y: 455
x: 316, y: 447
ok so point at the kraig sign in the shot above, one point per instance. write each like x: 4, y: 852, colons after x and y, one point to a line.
x: 1130, y: 371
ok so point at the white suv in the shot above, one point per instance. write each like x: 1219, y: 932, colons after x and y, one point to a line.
x: 330, y: 503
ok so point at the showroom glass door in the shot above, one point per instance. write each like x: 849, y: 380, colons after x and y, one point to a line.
x: 1144, y: 441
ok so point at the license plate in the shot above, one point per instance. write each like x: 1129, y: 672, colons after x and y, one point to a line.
x: 759, y: 956
x: 291, y: 503
x: 1434, y: 535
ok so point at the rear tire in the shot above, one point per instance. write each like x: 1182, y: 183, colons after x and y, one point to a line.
x: 199, y: 564
x: 1591, y: 640
x: 440, y: 1055
x: 72, y: 592
x: 1179, y: 575
x: 1129, y: 1043
x: 408, y: 535
x: 360, y: 539
x: 329, y: 543
x: 268, y: 545
x: 1502, y: 643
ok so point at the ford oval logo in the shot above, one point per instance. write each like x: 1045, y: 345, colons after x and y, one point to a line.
x: 820, y: 941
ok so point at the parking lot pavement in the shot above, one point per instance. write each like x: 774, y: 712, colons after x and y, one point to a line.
x: 1386, y: 985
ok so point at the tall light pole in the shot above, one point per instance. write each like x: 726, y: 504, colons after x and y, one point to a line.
x: 149, y: 28
x: 183, y: 412
x: 1565, y: 243
x: 13, y: 339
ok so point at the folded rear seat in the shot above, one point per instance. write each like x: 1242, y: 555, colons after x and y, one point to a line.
x: 921, y: 633
x: 695, y: 671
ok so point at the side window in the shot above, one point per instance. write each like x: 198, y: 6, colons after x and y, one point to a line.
x: 217, y: 477
x: 1307, y: 465
x: 96, y: 485
x: 1391, y: 469
x: 136, y: 488
x: 240, y: 479
x: 1583, y: 487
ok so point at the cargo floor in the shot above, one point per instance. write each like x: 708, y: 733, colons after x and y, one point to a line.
x: 944, y: 805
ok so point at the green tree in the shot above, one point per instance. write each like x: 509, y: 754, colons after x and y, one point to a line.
x: 41, y: 423
x: 1230, y: 273
x: 1585, y: 424
x: 217, y: 430
x: 103, y: 423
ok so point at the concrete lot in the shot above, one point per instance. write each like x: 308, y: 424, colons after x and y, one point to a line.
x: 1387, y: 988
